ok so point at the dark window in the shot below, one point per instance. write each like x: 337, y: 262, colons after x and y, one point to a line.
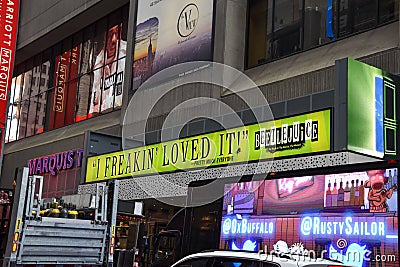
x: 388, y: 10
x: 277, y: 28
x: 287, y: 27
x: 44, y: 69
x: 29, y: 81
x: 260, y: 32
x: 42, y: 81
x: 365, y: 15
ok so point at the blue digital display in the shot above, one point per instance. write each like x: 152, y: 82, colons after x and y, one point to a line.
x: 379, y: 114
x: 329, y: 21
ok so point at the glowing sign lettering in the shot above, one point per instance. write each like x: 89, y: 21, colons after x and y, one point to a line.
x: 346, y: 226
x: 247, y: 226
x: 55, y: 163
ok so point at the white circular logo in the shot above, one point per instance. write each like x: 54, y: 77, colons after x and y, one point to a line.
x: 341, y: 243
x: 187, y: 20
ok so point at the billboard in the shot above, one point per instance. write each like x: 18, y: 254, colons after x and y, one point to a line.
x: 302, y: 134
x: 108, y: 71
x: 170, y: 32
x: 9, y: 13
x: 65, y: 88
x: 372, y: 121
x: 328, y: 216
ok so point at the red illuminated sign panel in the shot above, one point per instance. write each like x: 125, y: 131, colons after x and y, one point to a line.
x: 66, y: 84
x: 8, y: 35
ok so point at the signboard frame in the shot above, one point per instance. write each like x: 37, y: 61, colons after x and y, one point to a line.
x: 361, y: 115
x: 8, y: 42
x: 138, y: 6
x: 101, y: 163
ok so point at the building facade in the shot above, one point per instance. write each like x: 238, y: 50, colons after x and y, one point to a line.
x: 80, y: 63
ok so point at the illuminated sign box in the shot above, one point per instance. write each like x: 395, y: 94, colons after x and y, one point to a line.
x: 297, y: 135
x: 9, y: 14
x: 338, y: 214
x: 371, y: 110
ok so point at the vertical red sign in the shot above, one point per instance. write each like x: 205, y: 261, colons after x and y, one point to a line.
x: 65, y: 87
x: 9, y: 11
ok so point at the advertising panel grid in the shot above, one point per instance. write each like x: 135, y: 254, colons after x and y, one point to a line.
x: 330, y: 216
x: 78, y: 78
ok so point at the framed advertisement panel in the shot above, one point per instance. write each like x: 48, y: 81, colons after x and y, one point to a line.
x: 297, y: 135
x: 108, y: 70
x: 372, y: 110
x: 171, y: 32
x: 63, y: 99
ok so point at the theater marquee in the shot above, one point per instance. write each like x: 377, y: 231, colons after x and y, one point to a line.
x: 297, y: 135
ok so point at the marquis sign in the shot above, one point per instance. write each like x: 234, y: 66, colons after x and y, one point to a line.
x: 56, y: 162
x: 297, y: 135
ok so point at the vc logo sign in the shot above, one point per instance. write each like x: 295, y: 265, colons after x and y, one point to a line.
x: 187, y: 20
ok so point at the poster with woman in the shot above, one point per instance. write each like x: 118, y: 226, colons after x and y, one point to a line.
x: 108, y: 72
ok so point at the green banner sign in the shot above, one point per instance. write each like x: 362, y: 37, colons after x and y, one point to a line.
x: 302, y: 134
x: 372, y: 115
